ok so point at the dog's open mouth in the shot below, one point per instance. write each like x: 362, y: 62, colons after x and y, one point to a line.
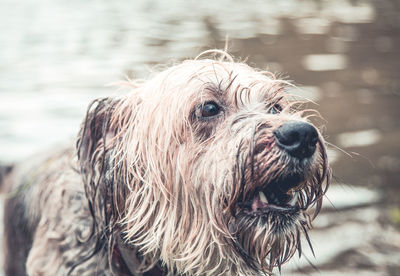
x: 281, y: 195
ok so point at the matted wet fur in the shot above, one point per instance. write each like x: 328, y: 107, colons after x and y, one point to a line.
x: 172, y: 178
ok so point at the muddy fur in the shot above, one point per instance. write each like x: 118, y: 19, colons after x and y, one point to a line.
x: 156, y: 186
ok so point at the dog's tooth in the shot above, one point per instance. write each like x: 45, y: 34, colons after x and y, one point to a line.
x: 293, y: 201
x: 263, y: 198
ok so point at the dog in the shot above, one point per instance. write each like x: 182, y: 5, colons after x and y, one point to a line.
x: 207, y: 168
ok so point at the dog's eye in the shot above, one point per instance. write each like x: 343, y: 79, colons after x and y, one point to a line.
x: 275, y: 109
x: 210, y: 109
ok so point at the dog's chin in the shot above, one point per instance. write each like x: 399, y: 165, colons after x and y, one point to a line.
x: 269, y: 221
x: 277, y: 204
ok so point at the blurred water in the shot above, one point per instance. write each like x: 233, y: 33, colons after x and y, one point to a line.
x: 55, y: 56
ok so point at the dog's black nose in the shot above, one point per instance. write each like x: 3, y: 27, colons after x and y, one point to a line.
x: 299, y: 139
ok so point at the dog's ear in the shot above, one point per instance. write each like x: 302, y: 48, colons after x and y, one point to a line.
x: 94, y: 146
x: 96, y: 133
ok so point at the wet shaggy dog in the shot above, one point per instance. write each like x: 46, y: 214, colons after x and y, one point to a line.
x: 205, y: 169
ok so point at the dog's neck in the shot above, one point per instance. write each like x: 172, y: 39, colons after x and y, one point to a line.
x: 127, y: 260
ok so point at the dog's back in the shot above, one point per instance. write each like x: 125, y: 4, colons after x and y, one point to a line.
x: 44, y: 215
x: 17, y: 236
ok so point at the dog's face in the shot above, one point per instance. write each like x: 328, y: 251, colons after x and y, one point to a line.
x: 219, y: 169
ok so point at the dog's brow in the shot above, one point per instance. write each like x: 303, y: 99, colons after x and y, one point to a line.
x: 231, y: 81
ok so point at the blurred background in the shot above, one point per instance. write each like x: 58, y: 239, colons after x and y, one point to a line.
x: 55, y: 56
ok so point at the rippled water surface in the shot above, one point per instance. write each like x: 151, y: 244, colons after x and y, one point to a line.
x: 55, y: 56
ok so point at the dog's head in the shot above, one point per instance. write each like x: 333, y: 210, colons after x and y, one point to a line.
x: 207, y: 167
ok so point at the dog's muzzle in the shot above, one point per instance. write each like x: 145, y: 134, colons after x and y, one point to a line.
x: 284, y: 194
